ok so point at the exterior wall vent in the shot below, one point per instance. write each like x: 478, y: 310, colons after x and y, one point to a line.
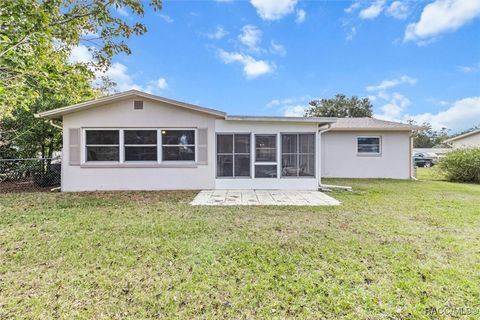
x: 138, y: 105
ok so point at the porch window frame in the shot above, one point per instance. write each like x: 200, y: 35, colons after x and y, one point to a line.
x: 233, y: 154
x: 265, y: 163
x: 298, y: 153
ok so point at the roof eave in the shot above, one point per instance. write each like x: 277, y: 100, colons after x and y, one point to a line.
x: 468, y: 134
x: 57, y: 114
x: 280, y: 119
x: 374, y: 129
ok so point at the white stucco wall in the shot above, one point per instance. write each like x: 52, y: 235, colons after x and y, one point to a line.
x: 469, y: 141
x: 261, y: 127
x: 340, y: 158
x: 122, y: 115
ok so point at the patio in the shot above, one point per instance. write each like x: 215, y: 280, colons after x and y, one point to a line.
x: 263, y: 197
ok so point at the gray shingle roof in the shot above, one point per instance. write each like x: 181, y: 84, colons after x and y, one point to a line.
x: 372, y: 124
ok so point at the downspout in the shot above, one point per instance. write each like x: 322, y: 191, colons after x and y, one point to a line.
x: 319, y: 162
x: 326, y: 187
x: 412, y: 177
x: 55, y: 125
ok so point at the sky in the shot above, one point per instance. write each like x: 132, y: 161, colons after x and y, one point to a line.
x: 414, y: 59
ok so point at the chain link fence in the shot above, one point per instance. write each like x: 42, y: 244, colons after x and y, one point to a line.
x: 29, y: 175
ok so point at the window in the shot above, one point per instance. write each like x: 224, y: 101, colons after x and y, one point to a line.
x: 265, y: 156
x: 298, y: 155
x: 178, y: 145
x: 368, y: 145
x: 140, y: 145
x: 265, y: 148
x: 102, y: 145
x: 233, y: 155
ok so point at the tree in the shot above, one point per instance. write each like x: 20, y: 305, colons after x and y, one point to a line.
x: 24, y: 136
x: 36, y: 38
x: 429, y: 138
x: 341, y: 107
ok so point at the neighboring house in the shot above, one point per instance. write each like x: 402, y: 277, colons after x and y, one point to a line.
x: 138, y: 141
x: 469, y: 139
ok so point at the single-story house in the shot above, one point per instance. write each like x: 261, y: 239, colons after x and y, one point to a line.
x: 138, y: 141
x: 466, y: 140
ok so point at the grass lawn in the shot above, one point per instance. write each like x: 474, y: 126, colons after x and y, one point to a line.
x: 391, y: 250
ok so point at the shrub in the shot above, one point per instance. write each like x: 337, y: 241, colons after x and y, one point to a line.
x: 462, y: 165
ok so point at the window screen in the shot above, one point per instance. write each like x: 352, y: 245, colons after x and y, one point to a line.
x: 140, y: 145
x: 298, y: 155
x: 368, y: 145
x: 233, y: 155
x: 102, y: 145
x: 178, y: 145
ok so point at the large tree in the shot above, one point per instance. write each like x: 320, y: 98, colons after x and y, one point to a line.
x: 340, y: 106
x: 36, y: 37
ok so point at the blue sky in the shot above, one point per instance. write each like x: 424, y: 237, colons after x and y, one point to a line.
x: 417, y: 60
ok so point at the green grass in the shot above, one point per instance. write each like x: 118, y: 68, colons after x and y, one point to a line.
x: 391, y: 250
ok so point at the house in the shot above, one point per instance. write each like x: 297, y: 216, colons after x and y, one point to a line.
x: 138, y: 141
x: 469, y: 139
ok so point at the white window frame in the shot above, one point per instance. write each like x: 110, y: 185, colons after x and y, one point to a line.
x: 370, y: 154
x: 122, y: 140
x: 265, y: 163
x: 122, y: 145
x: 85, y: 146
x: 195, y: 145
x: 233, y: 155
x: 298, y: 155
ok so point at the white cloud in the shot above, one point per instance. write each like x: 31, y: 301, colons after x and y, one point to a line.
x: 250, y: 36
x: 294, y: 111
x: 398, y: 10
x: 162, y: 83
x: 442, y: 16
x: 80, y: 54
x: 396, y: 104
x: 301, y: 16
x: 354, y: 6
x: 277, y: 48
x: 462, y: 115
x: 166, y: 18
x: 386, y: 84
x: 470, y: 69
x: 218, y: 34
x: 373, y: 10
x: 123, y: 12
x: 273, y: 9
x: 351, y: 34
x: 252, y: 68
x: 119, y: 74
x: 291, y: 106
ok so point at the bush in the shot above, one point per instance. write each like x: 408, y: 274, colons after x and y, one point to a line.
x: 462, y: 165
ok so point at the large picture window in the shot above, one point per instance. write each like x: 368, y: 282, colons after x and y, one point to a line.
x: 102, y: 145
x: 298, y: 155
x: 368, y: 145
x: 265, y: 156
x: 233, y: 155
x: 140, y: 145
x: 178, y: 145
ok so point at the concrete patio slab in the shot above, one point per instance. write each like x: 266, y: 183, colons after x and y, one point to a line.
x: 263, y: 197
